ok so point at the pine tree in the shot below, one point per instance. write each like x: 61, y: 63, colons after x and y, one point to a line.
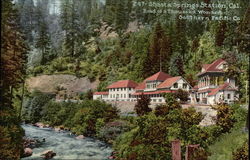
x: 70, y: 25
x: 220, y: 34
x: 27, y: 18
x: 13, y: 59
x: 159, y: 53
x: 142, y: 105
x: 43, y: 41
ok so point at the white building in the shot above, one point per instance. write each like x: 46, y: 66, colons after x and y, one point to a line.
x: 153, y: 86
x: 213, y: 87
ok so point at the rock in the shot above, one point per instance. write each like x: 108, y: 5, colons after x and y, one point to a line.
x: 111, y: 157
x: 27, y: 152
x: 48, y: 154
x: 40, y: 125
x: 80, y: 137
x: 57, y: 129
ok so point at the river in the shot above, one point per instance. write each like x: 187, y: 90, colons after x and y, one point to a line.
x: 65, y: 146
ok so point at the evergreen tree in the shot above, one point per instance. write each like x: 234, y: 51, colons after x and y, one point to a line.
x: 26, y: 10
x: 43, y: 41
x: 220, y: 34
x: 70, y: 25
x: 142, y: 105
x: 159, y: 52
x: 13, y: 59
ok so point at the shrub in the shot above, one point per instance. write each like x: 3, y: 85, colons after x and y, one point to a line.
x: 225, y: 117
x: 112, y: 130
x: 182, y: 95
x: 142, y: 105
x: 242, y: 152
x: 161, y: 110
x: 33, y: 108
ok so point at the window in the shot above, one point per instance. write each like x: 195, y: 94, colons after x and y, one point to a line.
x: 121, y: 95
x: 148, y: 86
x: 160, y: 100
x: 176, y: 85
x: 117, y: 89
x: 184, y: 85
x: 228, y: 96
x: 154, y: 85
x: 124, y: 95
x: 130, y: 89
x: 129, y: 95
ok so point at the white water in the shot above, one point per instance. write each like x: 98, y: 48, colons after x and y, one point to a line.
x: 66, y: 146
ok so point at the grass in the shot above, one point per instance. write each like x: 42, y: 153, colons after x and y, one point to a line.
x: 227, y: 143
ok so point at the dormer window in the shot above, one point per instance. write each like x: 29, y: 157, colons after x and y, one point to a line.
x: 184, y: 85
x: 154, y: 85
x: 176, y: 85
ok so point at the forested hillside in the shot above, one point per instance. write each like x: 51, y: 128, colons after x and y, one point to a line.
x: 110, y: 40
x: 114, y: 40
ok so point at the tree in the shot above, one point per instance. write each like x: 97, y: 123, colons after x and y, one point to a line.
x: 43, y: 41
x: 26, y: 9
x: 159, y: 52
x: 142, y: 105
x: 182, y: 95
x: 70, y: 25
x: 220, y: 34
x: 13, y: 60
x: 224, y: 117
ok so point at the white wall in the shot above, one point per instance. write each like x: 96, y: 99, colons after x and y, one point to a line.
x: 180, y: 83
x: 120, y: 94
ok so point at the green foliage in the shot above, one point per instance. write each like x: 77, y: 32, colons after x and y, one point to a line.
x: 110, y: 131
x: 85, y: 118
x: 12, y: 71
x: 227, y: 143
x: 182, y: 95
x: 142, y: 105
x: 154, y: 132
x: 33, y: 108
x: 225, y: 117
x: 224, y: 144
x: 171, y: 101
x: 242, y: 152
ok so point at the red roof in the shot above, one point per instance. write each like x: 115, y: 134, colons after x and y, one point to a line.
x: 195, y: 87
x: 213, y: 66
x: 123, y: 84
x: 221, y: 87
x: 141, y: 86
x: 101, y: 93
x: 160, y: 76
x: 205, y: 66
x: 153, y: 92
x: 169, y: 82
x: 205, y: 90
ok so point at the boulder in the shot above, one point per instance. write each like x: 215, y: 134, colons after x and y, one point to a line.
x: 27, y: 152
x: 40, y: 125
x: 48, y: 154
x: 57, y: 129
x: 80, y: 137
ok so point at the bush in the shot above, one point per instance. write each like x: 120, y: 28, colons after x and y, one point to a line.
x: 84, y: 118
x: 152, y: 137
x: 34, y: 106
x: 142, y: 105
x: 112, y: 130
x: 225, y: 117
x: 181, y: 95
x: 242, y: 152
